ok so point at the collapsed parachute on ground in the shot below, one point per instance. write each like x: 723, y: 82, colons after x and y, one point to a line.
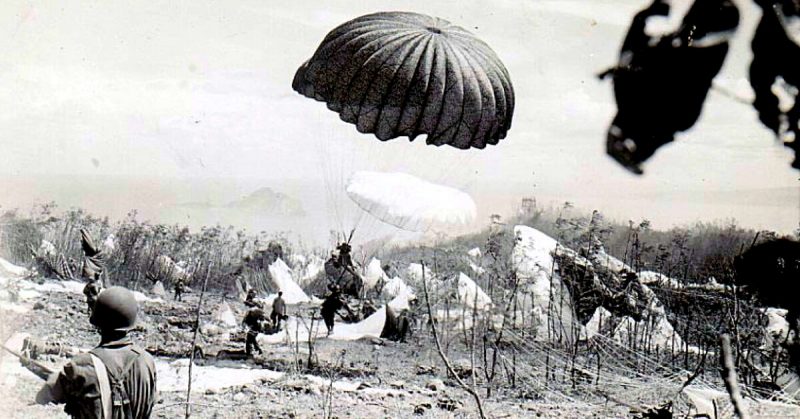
x: 410, y: 203
x: 398, y: 74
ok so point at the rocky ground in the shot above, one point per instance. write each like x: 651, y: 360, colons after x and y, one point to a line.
x: 362, y: 378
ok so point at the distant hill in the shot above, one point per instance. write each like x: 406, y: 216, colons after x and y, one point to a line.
x: 264, y: 201
x: 267, y: 201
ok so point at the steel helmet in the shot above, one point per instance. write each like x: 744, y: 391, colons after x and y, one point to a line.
x: 115, y: 310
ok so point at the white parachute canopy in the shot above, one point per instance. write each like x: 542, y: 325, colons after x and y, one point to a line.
x: 282, y: 279
x: 410, y: 203
x: 224, y: 316
x: 158, y: 289
x: 471, y: 295
x: 395, y: 287
x: 373, y: 274
x: 9, y: 270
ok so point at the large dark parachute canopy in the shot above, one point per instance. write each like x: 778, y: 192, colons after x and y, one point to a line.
x: 397, y: 74
x: 661, y: 81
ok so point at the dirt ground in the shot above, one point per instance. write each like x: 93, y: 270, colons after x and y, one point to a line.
x: 353, y: 379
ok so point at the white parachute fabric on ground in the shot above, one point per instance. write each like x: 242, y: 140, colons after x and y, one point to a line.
x: 475, y: 253
x: 298, y: 330
x: 72, y: 287
x: 410, y: 203
x: 371, y: 327
x: 777, y: 329
x: 223, y: 315
x: 374, y: 274
x: 538, y: 274
x: 655, y: 278
x: 141, y: 298
x: 600, y: 321
x: 711, y: 402
x: 110, y: 242
x: 167, y: 268
x: 414, y: 275
x: 174, y: 375
x: 282, y: 279
x: 705, y: 400
x: 474, y: 260
x: 662, y: 334
x: 47, y: 248
x: 471, y: 295
x: 306, y: 268
x: 11, y: 271
x: 158, y: 289
x: 396, y: 287
x: 600, y: 258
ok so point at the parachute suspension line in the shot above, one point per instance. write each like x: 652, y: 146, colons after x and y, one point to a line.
x: 332, y: 168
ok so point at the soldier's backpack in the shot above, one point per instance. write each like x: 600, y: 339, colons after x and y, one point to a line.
x: 113, y: 394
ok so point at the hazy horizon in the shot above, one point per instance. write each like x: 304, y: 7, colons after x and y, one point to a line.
x: 114, y: 105
x: 168, y: 201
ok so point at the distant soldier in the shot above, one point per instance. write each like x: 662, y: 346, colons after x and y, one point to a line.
x: 346, y: 259
x: 329, y: 308
x: 254, y: 322
x: 116, y: 379
x: 92, y: 291
x: 180, y: 287
x: 250, y: 300
x: 278, y: 311
x: 332, y: 271
x: 332, y: 304
x: 347, y: 278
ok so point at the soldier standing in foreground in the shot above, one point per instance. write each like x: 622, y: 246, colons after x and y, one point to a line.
x: 116, y: 379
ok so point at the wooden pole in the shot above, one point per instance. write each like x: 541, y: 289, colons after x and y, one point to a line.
x: 446, y: 361
x: 194, y: 340
x: 731, y: 381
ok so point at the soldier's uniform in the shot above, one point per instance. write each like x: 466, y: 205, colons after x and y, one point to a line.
x: 179, y: 288
x: 117, y: 379
x: 78, y: 387
x: 253, y: 321
x: 91, y: 291
x: 278, y: 311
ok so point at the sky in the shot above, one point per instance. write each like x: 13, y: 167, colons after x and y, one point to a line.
x: 186, y: 97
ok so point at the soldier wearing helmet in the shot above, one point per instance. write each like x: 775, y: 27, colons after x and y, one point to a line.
x: 116, y: 379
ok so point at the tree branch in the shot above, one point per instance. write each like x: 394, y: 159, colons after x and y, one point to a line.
x: 729, y: 376
x: 463, y: 385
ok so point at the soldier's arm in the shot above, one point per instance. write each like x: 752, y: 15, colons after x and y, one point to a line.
x: 53, y: 391
x: 153, y: 385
